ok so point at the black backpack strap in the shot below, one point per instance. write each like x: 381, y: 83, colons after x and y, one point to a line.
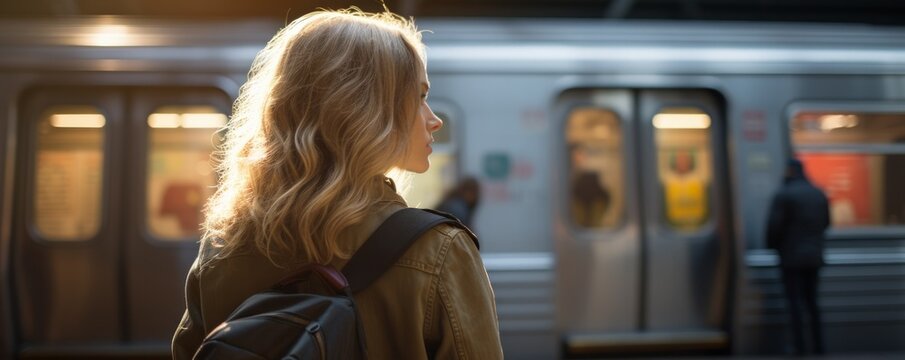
x: 390, y: 241
x: 457, y: 223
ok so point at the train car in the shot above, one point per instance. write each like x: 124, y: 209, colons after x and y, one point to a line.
x: 626, y: 169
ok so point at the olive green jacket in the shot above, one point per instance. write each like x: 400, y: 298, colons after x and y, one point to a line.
x: 434, y: 303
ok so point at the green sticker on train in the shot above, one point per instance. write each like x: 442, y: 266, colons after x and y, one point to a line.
x: 497, y: 166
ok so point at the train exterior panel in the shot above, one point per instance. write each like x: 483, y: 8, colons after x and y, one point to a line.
x: 682, y: 128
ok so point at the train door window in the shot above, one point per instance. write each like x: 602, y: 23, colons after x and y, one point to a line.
x: 180, y: 169
x: 428, y: 189
x: 68, y: 173
x: 682, y: 138
x: 596, y: 193
x: 858, y: 159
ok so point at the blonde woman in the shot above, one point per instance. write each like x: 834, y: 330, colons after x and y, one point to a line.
x: 335, y: 101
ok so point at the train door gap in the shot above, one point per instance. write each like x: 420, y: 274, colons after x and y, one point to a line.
x: 126, y: 176
x: 638, y: 169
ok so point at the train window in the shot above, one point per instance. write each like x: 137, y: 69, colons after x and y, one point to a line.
x: 427, y: 189
x: 596, y: 192
x: 180, y: 169
x: 816, y: 129
x: 682, y: 137
x: 68, y: 173
x: 858, y: 159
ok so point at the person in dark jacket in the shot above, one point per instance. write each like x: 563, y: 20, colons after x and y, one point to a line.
x: 462, y: 200
x: 799, y: 217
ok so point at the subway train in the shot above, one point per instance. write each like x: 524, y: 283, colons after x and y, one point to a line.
x: 626, y: 171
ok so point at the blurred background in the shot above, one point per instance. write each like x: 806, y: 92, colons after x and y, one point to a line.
x: 618, y: 160
x: 889, y: 12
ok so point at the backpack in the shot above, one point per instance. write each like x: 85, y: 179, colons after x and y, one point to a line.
x: 283, y: 323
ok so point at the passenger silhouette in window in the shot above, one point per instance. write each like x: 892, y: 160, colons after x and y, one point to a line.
x: 682, y: 162
x: 685, y: 191
x: 590, y: 200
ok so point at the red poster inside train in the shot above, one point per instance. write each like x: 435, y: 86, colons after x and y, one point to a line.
x: 844, y: 179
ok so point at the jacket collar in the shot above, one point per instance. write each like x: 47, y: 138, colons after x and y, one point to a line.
x: 389, y: 193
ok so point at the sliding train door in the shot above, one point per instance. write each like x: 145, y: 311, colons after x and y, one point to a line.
x: 109, y: 189
x: 684, y: 175
x: 642, y: 251
x: 172, y: 177
x: 66, y: 227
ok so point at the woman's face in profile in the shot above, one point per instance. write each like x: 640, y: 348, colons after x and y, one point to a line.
x: 420, y: 136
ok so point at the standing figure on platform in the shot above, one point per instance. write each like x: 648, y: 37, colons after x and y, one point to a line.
x: 335, y: 102
x: 462, y: 200
x: 799, y: 217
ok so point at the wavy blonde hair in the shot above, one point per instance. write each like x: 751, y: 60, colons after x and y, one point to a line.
x: 325, y: 114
